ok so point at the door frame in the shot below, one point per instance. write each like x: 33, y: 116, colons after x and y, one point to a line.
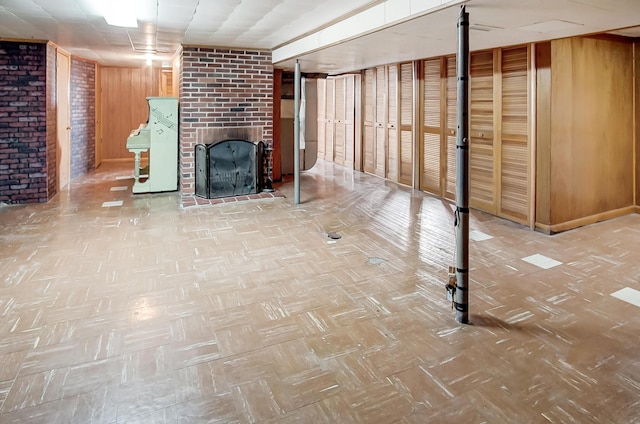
x: 63, y: 136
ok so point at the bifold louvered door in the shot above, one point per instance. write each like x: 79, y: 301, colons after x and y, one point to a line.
x: 322, y: 106
x: 339, y: 121
x: 336, y: 119
x: 349, y: 120
x: 499, y: 131
x: 374, y: 148
x: 515, y: 152
x: 430, y: 169
x: 405, y: 146
x: 330, y: 112
x: 482, y: 170
x: 369, y: 141
x: 452, y: 124
x: 392, y: 123
x: 380, y: 113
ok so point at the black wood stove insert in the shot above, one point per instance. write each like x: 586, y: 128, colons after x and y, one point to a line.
x: 229, y: 168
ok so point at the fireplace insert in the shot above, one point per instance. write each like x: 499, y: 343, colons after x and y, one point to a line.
x: 229, y: 168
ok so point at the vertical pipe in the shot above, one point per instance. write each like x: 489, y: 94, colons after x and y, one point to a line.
x: 462, y: 172
x: 296, y: 136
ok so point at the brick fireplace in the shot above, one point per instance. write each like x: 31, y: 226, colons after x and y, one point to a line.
x: 222, y: 91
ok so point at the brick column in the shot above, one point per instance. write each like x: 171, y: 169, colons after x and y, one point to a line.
x: 221, y: 88
x: 23, y: 122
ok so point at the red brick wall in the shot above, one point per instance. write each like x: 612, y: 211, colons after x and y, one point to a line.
x: 23, y: 122
x: 83, y: 116
x: 221, y: 88
x: 52, y: 122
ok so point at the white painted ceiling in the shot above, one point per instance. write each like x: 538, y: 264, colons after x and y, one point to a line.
x: 294, y: 28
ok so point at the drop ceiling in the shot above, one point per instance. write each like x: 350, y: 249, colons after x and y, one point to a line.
x: 331, y: 36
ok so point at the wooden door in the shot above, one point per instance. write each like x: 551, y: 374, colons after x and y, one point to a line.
x: 330, y: 112
x: 339, y: 138
x: 349, y: 121
x: 514, y: 149
x: 322, y: 105
x: 405, y: 145
x: 98, y: 148
x: 432, y: 132
x: 451, y: 81
x: 368, y: 145
x: 393, y: 150
x: 63, y: 147
x: 380, y: 152
x: 481, y: 169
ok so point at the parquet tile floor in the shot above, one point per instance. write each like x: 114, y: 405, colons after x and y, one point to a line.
x: 246, y: 312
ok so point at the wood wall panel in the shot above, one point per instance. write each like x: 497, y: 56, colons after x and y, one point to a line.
x: 592, y: 169
x: 543, y: 131
x: 636, y: 53
x: 124, y: 106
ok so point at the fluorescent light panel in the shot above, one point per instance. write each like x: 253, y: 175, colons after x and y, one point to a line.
x: 120, y: 13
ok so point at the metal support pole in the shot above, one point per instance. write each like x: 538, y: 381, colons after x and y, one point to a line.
x: 462, y: 172
x: 296, y: 136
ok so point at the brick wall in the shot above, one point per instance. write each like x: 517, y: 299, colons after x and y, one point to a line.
x: 83, y: 116
x: 23, y: 122
x: 52, y: 122
x: 221, y: 88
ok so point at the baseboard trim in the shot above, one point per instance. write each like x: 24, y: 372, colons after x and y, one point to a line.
x: 587, y: 220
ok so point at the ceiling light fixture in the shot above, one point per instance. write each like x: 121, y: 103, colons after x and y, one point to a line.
x: 120, y: 13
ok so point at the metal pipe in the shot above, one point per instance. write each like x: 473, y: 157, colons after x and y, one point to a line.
x: 461, y: 300
x: 296, y: 136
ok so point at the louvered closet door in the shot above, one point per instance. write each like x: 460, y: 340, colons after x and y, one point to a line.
x: 452, y: 124
x: 405, y: 171
x: 431, y: 127
x: 339, y: 121
x: 368, y: 144
x: 349, y: 120
x: 330, y: 113
x: 322, y: 104
x: 514, y: 178
x: 380, y: 123
x: 481, y: 170
x: 392, y: 124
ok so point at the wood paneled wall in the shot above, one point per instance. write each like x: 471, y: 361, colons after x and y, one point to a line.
x: 543, y: 131
x: 553, y: 147
x: 636, y: 53
x: 124, y: 106
x: 589, y: 136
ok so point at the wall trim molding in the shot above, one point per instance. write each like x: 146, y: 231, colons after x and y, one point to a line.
x: 587, y: 220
